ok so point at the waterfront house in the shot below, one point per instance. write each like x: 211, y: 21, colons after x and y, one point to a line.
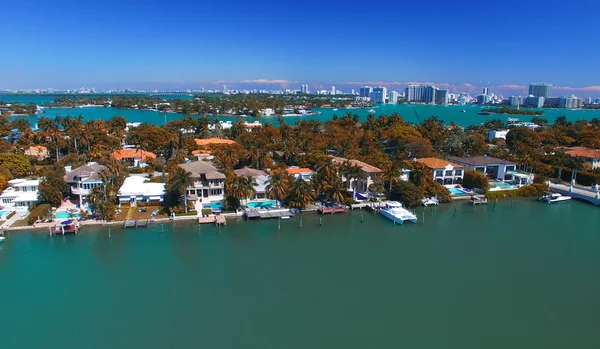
x: 368, y: 175
x: 300, y: 172
x: 83, y: 180
x: 139, y: 189
x: 261, y: 178
x: 37, y: 151
x: 493, y: 134
x: 21, y: 195
x: 209, y: 183
x: 493, y: 167
x: 444, y: 172
x: 591, y: 157
x: 133, y: 157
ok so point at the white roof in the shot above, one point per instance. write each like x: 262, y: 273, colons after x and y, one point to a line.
x: 29, y: 196
x: 136, y: 186
x: 22, y: 182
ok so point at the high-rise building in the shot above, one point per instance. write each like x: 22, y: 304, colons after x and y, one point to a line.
x: 486, y: 91
x: 429, y: 94
x: 332, y: 90
x: 423, y: 94
x: 532, y: 101
x: 441, y: 97
x: 365, y: 91
x: 587, y: 100
x: 304, y: 89
x: 570, y: 102
x: 540, y: 89
x: 515, y: 100
x: 393, y: 97
x: 379, y: 94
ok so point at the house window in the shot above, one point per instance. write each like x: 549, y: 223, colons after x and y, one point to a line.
x: 449, y: 173
x: 439, y: 173
x: 458, y: 173
x: 510, y: 168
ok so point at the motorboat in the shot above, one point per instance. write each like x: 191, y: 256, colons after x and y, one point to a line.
x: 394, y: 211
x: 334, y: 109
x: 2, y: 238
x: 371, y: 110
x: 432, y: 201
x: 555, y: 198
x: 463, y: 111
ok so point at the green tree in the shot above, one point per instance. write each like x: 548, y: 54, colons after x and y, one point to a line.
x: 17, y: 165
x: 407, y: 193
x: 278, y: 184
x: 474, y: 179
x: 301, y: 194
x: 53, y: 187
x: 177, y: 183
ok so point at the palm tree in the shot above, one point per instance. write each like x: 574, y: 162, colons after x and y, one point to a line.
x: 391, y: 172
x: 247, y: 187
x: 178, y: 182
x: 278, y: 184
x: 301, y: 194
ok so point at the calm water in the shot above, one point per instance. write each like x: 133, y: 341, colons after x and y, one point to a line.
x: 446, y: 113
x: 520, y: 277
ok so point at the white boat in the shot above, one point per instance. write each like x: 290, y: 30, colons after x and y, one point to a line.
x: 334, y: 109
x: 432, y: 201
x: 555, y: 198
x: 2, y: 238
x: 394, y: 211
x: 463, y: 111
x: 371, y: 110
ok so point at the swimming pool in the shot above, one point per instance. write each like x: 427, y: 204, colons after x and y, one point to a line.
x: 66, y: 215
x: 215, y: 206
x: 3, y: 213
x: 456, y: 191
x: 263, y: 204
x: 503, y: 185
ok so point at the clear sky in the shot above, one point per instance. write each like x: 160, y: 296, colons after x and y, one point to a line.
x: 169, y: 44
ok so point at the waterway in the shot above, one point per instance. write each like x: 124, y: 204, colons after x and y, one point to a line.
x: 446, y: 113
x: 523, y: 275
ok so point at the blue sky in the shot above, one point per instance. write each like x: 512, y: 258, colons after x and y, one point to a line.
x: 192, y: 44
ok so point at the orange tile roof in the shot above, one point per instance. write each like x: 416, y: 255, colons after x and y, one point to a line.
x: 209, y: 141
x: 583, y: 152
x: 198, y: 152
x: 38, y: 147
x: 298, y: 170
x: 435, y: 163
x: 133, y: 154
x: 363, y: 165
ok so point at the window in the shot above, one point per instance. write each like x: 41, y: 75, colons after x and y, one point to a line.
x: 439, y: 173
x: 458, y: 173
x: 449, y: 173
x: 510, y: 168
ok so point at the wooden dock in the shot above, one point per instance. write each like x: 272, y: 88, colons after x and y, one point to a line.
x: 217, y: 220
x: 265, y: 214
x: 140, y: 223
x: 478, y: 200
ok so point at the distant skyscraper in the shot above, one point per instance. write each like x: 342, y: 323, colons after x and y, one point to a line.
x: 441, y: 97
x: 379, y: 94
x: 332, y: 90
x: 365, y: 91
x: 486, y: 91
x: 304, y: 89
x: 540, y: 90
x: 393, y: 97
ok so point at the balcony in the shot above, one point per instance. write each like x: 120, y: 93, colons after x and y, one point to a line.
x: 80, y: 191
x: 207, y: 185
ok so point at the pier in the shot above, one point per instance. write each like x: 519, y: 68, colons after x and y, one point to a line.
x: 140, y: 223
x: 265, y: 214
x: 217, y: 220
x: 478, y: 200
x: 577, y: 192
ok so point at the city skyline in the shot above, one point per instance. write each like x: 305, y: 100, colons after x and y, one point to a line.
x: 120, y: 44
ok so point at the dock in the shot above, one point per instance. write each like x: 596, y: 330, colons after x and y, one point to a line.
x: 266, y: 214
x: 140, y: 223
x: 331, y: 208
x: 217, y: 220
x: 478, y: 200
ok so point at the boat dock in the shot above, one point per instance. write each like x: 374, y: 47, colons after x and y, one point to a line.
x: 265, y: 214
x: 140, y: 223
x: 577, y: 192
x: 478, y: 200
x: 217, y: 220
x: 331, y: 208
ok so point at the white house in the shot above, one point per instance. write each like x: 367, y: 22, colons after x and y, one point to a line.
x: 588, y: 155
x: 21, y: 195
x: 493, y: 167
x: 493, y: 134
x: 83, y: 180
x: 139, y: 189
x: 209, y: 183
x: 444, y: 172
x: 369, y: 174
x: 300, y: 172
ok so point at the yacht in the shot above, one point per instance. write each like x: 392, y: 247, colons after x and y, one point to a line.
x: 555, y: 198
x: 394, y: 211
x: 371, y: 110
x: 432, y: 201
x: 463, y: 111
x: 334, y: 109
x: 2, y: 238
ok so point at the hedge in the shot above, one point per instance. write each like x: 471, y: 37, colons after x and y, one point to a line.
x: 526, y: 191
x: 9, y: 216
x: 583, y: 178
x: 40, y: 211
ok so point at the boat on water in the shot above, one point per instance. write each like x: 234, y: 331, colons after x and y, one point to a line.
x: 484, y: 113
x: 371, y: 110
x: 2, y: 238
x: 554, y: 198
x: 463, y: 111
x: 394, y: 211
x: 334, y: 109
x: 432, y: 201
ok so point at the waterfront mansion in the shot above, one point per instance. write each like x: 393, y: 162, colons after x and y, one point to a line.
x: 209, y: 183
x: 444, y: 172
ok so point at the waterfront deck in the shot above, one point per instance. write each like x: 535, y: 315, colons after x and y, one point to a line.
x: 331, y: 208
x: 577, y: 192
x: 478, y: 200
x: 140, y: 223
x: 218, y: 220
x: 266, y: 214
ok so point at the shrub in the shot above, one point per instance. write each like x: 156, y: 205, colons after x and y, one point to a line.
x: 473, y: 179
x: 526, y: 191
x: 9, y: 216
x: 42, y: 211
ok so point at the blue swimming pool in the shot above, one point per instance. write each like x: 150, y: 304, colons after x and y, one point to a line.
x: 456, y: 191
x: 263, y: 204
x: 503, y: 185
x: 66, y: 215
x: 2, y: 213
x: 215, y: 206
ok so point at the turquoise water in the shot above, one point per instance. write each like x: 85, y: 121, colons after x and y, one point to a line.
x: 262, y: 204
x: 464, y: 278
x: 218, y: 206
x: 456, y: 191
x: 2, y: 213
x: 66, y: 215
x: 503, y: 185
x: 446, y: 113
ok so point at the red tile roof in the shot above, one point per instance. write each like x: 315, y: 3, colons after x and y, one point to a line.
x: 133, y: 154
x: 298, y: 170
x: 435, y: 163
x: 363, y: 165
x: 210, y: 141
x: 583, y: 152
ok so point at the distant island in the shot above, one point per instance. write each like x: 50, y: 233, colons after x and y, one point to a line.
x: 505, y: 110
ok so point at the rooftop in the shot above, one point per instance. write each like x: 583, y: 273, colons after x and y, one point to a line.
x: 89, y: 173
x: 199, y: 168
x: 136, y: 185
x: 210, y: 141
x: 583, y: 152
x: 479, y: 160
x: 133, y: 154
x: 249, y: 172
x: 298, y: 170
x: 363, y: 165
x: 435, y: 163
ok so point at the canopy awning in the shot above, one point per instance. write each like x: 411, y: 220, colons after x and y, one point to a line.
x: 154, y: 198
